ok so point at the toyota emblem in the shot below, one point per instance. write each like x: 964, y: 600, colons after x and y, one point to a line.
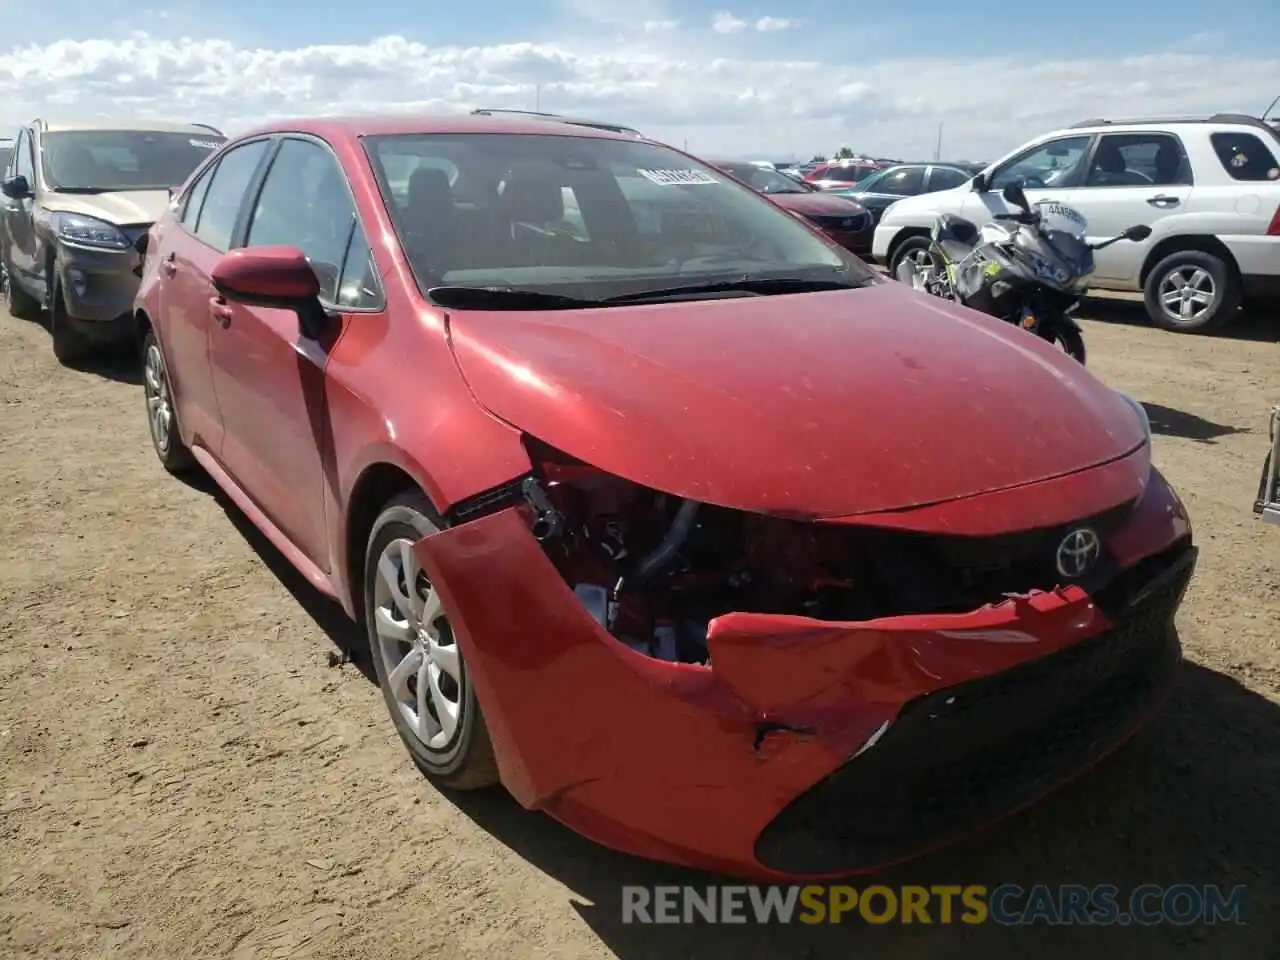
x: 1078, y: 551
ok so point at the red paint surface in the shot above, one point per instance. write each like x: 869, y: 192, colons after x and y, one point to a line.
x: 876, y: 404
x: 278, y: 272
x: 657, y: 759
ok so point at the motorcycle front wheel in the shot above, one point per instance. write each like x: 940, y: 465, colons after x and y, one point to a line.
x: 1068, y: 340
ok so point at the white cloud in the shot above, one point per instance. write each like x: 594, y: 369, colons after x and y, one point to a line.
x: 726, y: 22
x: 668, y: 83
x: 770, y: 24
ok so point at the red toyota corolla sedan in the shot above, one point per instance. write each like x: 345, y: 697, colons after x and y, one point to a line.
x: 656, y: 506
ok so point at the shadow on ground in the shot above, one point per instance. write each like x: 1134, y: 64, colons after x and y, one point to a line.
x: 1170, y: 422
x: 1261, y: 325
x: 348, y: 643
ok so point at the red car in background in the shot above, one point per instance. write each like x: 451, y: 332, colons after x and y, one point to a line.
x: 682, y: 524
x: 845, y: 221
x: 841, y: 174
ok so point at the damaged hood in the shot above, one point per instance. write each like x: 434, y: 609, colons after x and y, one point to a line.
x: 809, y: 405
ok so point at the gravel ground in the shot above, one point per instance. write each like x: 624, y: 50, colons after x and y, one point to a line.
x: 185, y: 773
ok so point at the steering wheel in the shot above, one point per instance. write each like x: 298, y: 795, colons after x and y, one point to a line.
x: 1033, y: 182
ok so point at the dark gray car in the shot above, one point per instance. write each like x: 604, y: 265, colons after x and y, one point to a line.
x: 882, y: 189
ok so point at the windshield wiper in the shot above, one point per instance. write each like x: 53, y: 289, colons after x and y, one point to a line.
x: 763, y: 286
x: 86, y: 190
x: 504, y: 298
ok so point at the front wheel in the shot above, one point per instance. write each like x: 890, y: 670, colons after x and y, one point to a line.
x: 68, y: 345
x: 1068, y: 339
x: 417, y: 660
x: 911, y: 260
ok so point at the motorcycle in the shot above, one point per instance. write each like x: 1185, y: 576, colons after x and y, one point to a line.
x: 1031, y: 272
x: 1267, y: 506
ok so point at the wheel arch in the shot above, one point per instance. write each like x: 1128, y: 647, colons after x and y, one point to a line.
x: 901, y: 237
x: 376, y: 484
x: 1180, y: 243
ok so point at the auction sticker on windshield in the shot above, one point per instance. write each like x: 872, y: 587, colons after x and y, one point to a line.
x: 677, y: 178
x: 206, y: 144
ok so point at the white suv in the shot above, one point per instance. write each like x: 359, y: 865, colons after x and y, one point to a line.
x: 1208, y: 188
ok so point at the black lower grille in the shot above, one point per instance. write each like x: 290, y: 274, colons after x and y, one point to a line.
x: 970, y: 753
x: 851, y: 223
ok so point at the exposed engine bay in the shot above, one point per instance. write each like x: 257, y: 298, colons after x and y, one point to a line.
x: 654, y: 569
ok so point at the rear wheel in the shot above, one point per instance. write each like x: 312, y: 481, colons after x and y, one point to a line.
x: 419, y: 665
x: 162, y: 419
x: 1192, y: 292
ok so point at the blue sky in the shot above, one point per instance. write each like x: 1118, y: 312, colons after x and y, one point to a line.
x: 744, y: 77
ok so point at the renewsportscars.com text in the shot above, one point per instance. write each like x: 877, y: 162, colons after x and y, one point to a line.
x: 1007, y: 904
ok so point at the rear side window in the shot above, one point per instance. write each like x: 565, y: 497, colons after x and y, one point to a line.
x: 226, y: 193
x: 1245, y: 157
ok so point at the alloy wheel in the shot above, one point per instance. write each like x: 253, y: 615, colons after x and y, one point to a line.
x: 1187, y: 294
x: 913, y: 268
x: 421, y: 660
x: 159, y: 402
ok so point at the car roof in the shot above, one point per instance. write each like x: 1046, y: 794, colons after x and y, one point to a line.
x: 148, y: 126
x: 408, y: 124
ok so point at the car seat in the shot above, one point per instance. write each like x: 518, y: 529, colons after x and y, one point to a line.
x: 428, y: 219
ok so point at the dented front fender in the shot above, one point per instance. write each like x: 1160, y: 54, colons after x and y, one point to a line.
x: 633, y: 752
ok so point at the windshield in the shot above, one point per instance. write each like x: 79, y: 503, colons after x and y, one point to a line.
x: 584, y: 217
x: 762, y: 179
x: 109, y: 160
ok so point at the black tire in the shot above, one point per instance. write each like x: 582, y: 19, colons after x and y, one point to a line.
x: 68, y: 345
x: 20, y: 303
x: 466, y: 761
x: 174, y: 455
x: 1068, y: 339
x: 908, y: 246
x: 1226, y: 286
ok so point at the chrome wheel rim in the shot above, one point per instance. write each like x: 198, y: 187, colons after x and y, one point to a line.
x: 1187, y: 294
x: 420, y: 659
x: 912, y: 267
x: 159, y: 405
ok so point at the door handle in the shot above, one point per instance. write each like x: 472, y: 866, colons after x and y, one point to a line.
x: 1163, y: 200
x: 221, y: 311
x: 167, y: 266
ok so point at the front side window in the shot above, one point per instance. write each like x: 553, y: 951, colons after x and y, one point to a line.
x: 944, y: 178
x: 1245, y: 157
x: 110, y: 160
x: 305, y: 203
x: 226, y: 194
x: 903, y: 182
x: 642, y: 217
x: 1052, y: 164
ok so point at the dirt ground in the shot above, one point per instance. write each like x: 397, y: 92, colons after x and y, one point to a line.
x: 185, y: 773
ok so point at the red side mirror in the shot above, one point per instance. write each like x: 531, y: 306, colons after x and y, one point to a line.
x: 266, y: 276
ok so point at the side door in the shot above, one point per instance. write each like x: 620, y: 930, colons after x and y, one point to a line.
x: 187, y: 253
x: 1051, y: 169
x: 1131, y: 178
x: 19, y: 225
x: 269, y: 377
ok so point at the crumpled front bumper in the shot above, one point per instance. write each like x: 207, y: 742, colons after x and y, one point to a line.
x: 807, y: 749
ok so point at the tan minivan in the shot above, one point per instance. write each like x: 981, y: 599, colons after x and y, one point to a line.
x: 76, y: 198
